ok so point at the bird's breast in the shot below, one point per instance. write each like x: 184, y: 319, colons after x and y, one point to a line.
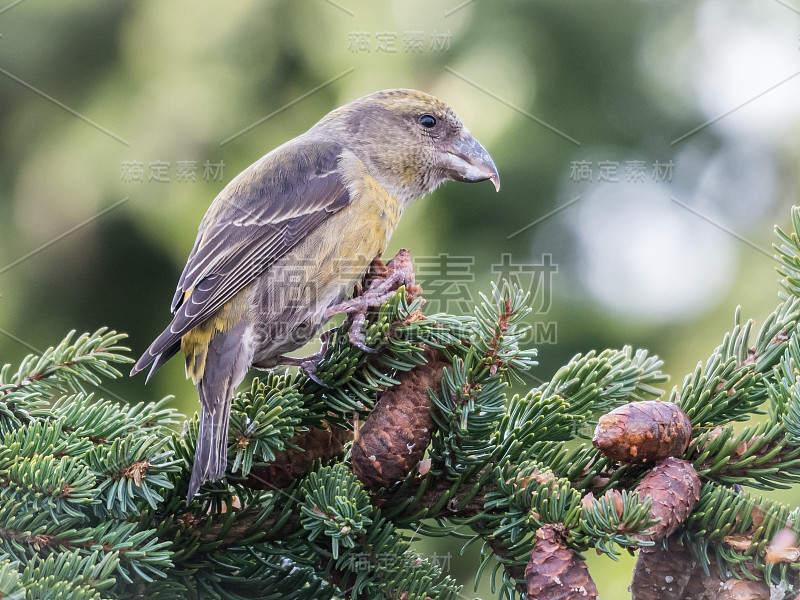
x: 379, y: 213
x: 344, y: 245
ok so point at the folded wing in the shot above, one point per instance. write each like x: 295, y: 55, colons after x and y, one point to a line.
x: 261, y: 215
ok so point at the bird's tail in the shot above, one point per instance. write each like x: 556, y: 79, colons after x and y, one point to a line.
x: 211, y: 455
x: 217, y: 362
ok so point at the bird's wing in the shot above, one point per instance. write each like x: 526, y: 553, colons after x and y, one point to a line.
x: 262, y: 214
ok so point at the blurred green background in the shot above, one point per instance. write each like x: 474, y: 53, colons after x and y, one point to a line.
x: 645, y: 151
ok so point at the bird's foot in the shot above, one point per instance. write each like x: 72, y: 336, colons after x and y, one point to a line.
x: 380, y: 284
x: 402, y: 263
x: 309, y: 363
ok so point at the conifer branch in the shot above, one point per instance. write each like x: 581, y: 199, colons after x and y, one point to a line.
x: 92, y: 491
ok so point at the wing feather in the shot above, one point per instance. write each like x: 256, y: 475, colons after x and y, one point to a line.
x: 262, y: 214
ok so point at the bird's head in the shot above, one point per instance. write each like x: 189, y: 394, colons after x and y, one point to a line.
x: 411, y: 142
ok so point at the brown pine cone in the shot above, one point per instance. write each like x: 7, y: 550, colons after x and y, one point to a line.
x: 662, y: 574
x: 290, y: 464
x: 674, y: 487
x: 555, y: 571
x: 673, y: 575
x: 716, y: 586
x: 397, y: 432
x: 641, y: 432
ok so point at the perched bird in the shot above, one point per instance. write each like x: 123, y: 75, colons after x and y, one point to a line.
x: 286, y: 240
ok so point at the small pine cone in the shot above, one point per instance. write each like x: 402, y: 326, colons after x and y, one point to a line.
x: 641, y: 432
x: 398, y: 430
x: 315, y: 444
x: 674, y: 487
x: 615, y: 496
x: 555, y: 571
x: 662, y: 574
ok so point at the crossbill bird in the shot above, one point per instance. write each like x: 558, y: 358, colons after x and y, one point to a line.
x: 284, y: 243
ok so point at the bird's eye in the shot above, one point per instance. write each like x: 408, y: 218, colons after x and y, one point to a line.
x: 427, y: 121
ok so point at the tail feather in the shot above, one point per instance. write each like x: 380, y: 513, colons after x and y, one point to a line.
x: 228, y: 355
x: 161, y: 360
x: 211, y: 455
x: 160, y: 351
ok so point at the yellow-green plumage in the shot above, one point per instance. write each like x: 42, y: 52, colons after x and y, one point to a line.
x: 194, y: 344
x: 290, y: 236
x: 338, y: 245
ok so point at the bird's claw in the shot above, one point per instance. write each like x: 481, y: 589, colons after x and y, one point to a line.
x: 309, y: 364
x: 356, y: 335
x: 381, y: 284
x: 363, y: 347
x: 309, y: 367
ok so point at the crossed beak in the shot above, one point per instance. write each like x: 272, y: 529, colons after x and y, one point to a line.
x: 466, y: 160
